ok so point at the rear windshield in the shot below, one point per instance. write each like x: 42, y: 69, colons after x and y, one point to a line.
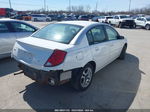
x: 62, y: 33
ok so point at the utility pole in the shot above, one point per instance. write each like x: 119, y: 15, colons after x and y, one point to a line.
x: 129, y: 5
x: 10, y: 4
x: 96, y: 5
x: 44, y: 5
x: 69, y: 5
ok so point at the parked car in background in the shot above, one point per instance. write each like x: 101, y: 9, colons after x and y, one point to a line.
x: 10, y: 30
x: 83, y: 17
x: 95, y: 19
x: 60, y: 17
x: 53, y: 17
x: 121, y: 21
x: 40, y: 17
x: 27, y: 17
x: 69, y: 51
x: 6, y: 12
x: 104, y: 19
x: 19, y: 17
x: 91, y: 16
x: 69, y: 18
x: 143, y: 22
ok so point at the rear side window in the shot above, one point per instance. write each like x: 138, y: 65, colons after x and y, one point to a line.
x: 21, y: 27
x: 62, y: 33
x: 3, y: 28
x: 111, y: 33
x: 96, y: 35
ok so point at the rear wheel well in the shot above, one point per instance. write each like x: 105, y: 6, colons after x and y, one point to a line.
x: 93, y: 64
x: 125, y: 44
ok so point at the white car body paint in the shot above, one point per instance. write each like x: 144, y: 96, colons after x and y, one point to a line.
x: 34, y: 52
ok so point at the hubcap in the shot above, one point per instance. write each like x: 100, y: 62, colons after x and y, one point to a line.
x: 86, y: 77
x: 147, y: 27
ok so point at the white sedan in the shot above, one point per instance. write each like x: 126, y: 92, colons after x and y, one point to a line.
x: 69, y: 51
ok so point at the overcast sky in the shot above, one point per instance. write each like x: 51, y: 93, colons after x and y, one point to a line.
x: 103, y: 5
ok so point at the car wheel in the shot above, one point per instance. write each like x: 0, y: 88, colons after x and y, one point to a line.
x: 82, y: 78
x: 123, y: 53
x: 110, y: 22
x: 120, y: 25
x: 35, y: 19
x: 48, y: 20
x: 147, y: 27
x: 132, y: 26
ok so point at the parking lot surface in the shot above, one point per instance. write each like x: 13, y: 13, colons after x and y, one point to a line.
x: 120, y: 85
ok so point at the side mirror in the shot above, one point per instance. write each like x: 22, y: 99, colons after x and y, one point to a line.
x: 120, y: 37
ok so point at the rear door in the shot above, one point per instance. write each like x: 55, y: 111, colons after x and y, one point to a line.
x: 140, y: 22
x: 22, y: 30
x: 7, y: 38
x: 115, y: 44
x: 98, y: 46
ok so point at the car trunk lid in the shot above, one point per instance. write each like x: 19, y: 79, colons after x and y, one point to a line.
x: 35, y: 51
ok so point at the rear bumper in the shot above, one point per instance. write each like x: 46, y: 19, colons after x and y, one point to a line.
x: 44, y: 77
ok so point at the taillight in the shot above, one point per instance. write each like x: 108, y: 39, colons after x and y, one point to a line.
x: 56, y: 58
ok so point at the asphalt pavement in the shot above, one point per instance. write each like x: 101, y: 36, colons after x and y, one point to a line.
x: 120, y: 85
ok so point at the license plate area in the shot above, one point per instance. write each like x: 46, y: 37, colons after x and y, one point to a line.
x: 25, y: 56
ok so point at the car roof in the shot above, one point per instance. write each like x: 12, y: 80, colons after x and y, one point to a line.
x: 80, y: 23
x: 7, y: 19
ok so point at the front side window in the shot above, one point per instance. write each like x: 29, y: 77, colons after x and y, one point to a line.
x: 116, y: 17
x: 62, y: 33
x: 111, y: 33
x: 139, y: 19
x: 96, y: 35
x: 3, y: 28
x: 21, y: 27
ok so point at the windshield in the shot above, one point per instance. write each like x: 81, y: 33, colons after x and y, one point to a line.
x: 62, y: 33
x: 148, y: 19
x: 124, y: 17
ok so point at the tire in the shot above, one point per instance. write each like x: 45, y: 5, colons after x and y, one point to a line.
x: 110, y: 22
x: 120, y: 25
x: 147, y: 27
x: 35, y: 19
x: 123, y: 53
x: 47, y: 20
x: 82, y: 78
